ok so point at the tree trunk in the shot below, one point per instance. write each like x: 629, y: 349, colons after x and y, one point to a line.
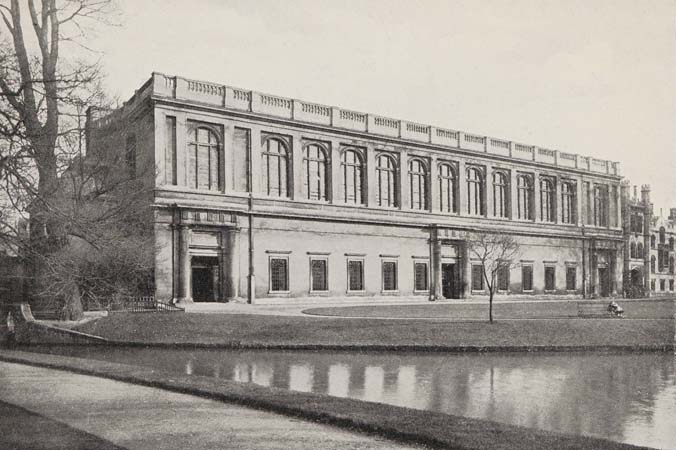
x: 490, y: 306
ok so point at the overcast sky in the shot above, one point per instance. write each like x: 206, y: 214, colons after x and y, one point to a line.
x: 593, y: 77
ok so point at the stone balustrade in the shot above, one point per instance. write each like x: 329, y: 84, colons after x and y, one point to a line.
x: 251, y: 101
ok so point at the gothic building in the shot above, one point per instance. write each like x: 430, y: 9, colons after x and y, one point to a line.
x: 649, y: 263
x: 268, y: 198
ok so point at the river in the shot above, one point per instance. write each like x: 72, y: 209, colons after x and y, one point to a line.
x: 626, y: 397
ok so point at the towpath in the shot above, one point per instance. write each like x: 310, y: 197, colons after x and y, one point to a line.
x: 47, y: 408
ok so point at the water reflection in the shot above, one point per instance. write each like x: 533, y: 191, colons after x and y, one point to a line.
x: 623, y: 397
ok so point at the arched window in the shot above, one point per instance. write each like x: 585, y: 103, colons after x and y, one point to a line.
x: 386, y: 175
x: 314, y: 172
x: 547, y: 200
x: 601, y: 206
x: 671, y: 265
x: 353, y: 176
x: 417, y: 179
x: 639, y: 250
x: 447, y: 188
x: 525, y: 197
x: 475, y: 191
x: 568, y: 203
x: 275, y: 168
x: 204, y: 159
x: 662, y: 235
x: 652, y: 241
x: 652, y: 264
x: 500, y: 194
x: 632, y: 251
x: 671, y: 243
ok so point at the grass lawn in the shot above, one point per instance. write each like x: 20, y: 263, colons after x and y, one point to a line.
x: 634, y: 309
x: 229, y: 329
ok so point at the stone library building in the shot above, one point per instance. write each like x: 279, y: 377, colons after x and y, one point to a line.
x: 268, y: 199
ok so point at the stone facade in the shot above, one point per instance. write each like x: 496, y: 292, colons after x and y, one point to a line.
x: 268, y: 198
x: 650, y: 257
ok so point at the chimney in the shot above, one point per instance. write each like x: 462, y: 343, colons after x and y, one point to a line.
x: 635, y: 192
x: 672, y: 213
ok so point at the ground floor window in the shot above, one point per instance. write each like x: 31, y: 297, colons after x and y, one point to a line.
x: 389, y: 276
x: 662, y: 285
x: 279, y: 274
x: 319, y: 275
x: 477, y: 277
x: 550, y: 278
x: 652, y: 285
x: 571, y: 278
x: 503, y: 278
x: 421, y: 278
x: 526, y: 278
x: 671, y: 285
x: 355, y: 275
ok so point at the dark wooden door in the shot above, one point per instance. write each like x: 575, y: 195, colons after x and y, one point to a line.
x: 448, y: 282
x: 604, y: 283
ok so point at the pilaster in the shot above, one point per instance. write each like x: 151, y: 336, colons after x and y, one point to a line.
x: 513, y: 195
x: 436, y: 291
x: 490, y: 194
x: 296, y: 174
x: 371, y: 183
x: 255, y: 160
x: 230, y: 263
x: 402, y: 174
x: 536, y: 197
x: 433, y: 191
x: 184, y: 287
x: 182, y: 159
x: 462, y: 188
x: 336, y: 194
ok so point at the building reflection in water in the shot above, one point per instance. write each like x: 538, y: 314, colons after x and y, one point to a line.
x: 301, y: 377
x: 622, y: 397
x: 339, y: 380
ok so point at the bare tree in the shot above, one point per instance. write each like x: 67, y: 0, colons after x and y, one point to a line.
x: 496, y: 252
x: 42, y: 98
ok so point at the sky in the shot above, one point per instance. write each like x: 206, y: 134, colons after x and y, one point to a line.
x: 594, y: 77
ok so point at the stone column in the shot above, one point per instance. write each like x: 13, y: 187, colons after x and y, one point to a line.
x: 462, y: 188
x: 230, y: 261
x: 436, y: 292
x: 593, y: 271
x: 513, y: 195
x: 255, y: 160
x: 336, y: 193
x: 184, y: 270
x: 433, y: 191
x: 402, y: 174
x: 536, y: 197
x: 490, y: 194
x: 370, y: 175
x: 580, y: 213
x: 465, y: 268
x: 557, y: 199
x: 296, y: 172
x: 182, y: 159
x: 618, y: 206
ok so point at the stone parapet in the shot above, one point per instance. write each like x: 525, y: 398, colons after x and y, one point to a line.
x: 178, y: 88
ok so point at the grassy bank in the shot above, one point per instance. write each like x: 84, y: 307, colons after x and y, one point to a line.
x: 433, y: 429
x: 253, y: 330
x: 557, y: 309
